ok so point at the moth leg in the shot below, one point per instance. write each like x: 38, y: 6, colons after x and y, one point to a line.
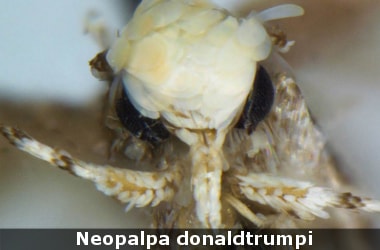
x: 244, y: 210
x: 301, y: 199
x: 135, y: 188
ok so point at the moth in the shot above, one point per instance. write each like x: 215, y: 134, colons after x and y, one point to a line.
x: 199, y: 96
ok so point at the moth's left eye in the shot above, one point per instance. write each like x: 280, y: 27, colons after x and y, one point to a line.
x: 141, y: 127
x: 259, y: 101
x: 146, y: 129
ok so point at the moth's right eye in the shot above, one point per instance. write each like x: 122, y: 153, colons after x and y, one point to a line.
x: 259, y: 101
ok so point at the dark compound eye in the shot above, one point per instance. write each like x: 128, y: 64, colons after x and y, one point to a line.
x: 259, y: 102
x: 146, y: 129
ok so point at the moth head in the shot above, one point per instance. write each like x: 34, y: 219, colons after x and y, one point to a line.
x: 191, y: 63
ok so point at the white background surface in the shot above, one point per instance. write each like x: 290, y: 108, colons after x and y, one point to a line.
x: 44, y: 51
x: 44, y: 55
